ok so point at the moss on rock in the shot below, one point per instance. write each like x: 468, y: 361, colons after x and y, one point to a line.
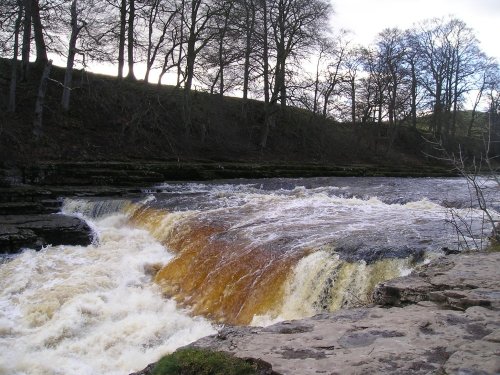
x: 191, y: 361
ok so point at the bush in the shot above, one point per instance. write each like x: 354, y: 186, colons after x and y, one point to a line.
x: 202, y: 362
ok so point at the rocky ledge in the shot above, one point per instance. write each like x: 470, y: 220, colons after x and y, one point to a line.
x: 28, y: 216
x: 36, y: 231
x: 443, y: 319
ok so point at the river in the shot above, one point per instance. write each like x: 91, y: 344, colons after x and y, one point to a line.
x: 170, y: 265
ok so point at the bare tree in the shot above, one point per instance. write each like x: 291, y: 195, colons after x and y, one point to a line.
x: 41, y: 48
x: 130, y: 39
x: 75, y: 30
x: 449, y: 59
x: 160, y: 16
x: 197, y: 21
x: 489, y: 79
x: 483, y: 185
x: 26, y: 46
x: 86, y: 21
x: 412, y: 61
x: 268, y: 117
x: 352, y: 70
x: 40, y: 100
x: 294, y: 25
x: 13, y: 75
x: 334, y: 73
x: 250, y: 10
x: 121, y: 37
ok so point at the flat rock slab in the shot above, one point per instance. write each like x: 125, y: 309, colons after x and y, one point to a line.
x: 418, y: 339
x: 457, y: 333
x: 36, y: 231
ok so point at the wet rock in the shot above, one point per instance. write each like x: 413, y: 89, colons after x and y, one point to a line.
x: 36, y: 231
x: 371, y: 250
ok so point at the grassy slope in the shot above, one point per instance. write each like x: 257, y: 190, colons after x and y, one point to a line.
x: 124, y: 121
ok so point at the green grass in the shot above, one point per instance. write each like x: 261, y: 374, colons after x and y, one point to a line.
x: 202, y: 362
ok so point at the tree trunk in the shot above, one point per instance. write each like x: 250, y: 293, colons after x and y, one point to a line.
x: 181, y: 44
x: 40, y: 99
x: 283, y: 95
x: 190, y: 56
x: 68, y: 76
x: 13, y: 77
x: 189, y: 81
x: 26, y: 40
x: 121, y: 42
x: 353, y: 101
x: 221, y: 61
x: 474, y: 108
x: 265, y: 54
x: 250, y: 25
x: 41, y: 48
x: 326, y: 98
x: 413, y: 96
x: 130, y: 40
x: 455, y: 98
x: 151, y: 20
x: 437, y: 117
x: 316, y: 87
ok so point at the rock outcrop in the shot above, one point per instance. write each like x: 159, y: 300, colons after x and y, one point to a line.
x: 36, y: 231
x: 27, y: 217
x: 455, y: 282
x: 443, y: 319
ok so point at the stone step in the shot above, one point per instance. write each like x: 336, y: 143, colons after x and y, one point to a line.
x: 27, y: 208
x: 20, y: 208
x: 52, y: 205
x: 23, y: 194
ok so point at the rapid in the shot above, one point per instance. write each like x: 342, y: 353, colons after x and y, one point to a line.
x: 170, y: 265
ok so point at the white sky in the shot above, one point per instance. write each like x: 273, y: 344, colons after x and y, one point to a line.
x: 366, y: 18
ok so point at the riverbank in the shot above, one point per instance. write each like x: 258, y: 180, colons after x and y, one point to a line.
x: 124, y: 121
x: 444, y: 319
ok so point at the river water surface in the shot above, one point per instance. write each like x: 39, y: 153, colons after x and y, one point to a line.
x: 169, y: 266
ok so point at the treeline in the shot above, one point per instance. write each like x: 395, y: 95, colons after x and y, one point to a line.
x: 280, y: 51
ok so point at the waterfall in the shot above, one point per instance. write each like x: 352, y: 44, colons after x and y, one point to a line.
x: 170, y: 265
x: 93, y: 209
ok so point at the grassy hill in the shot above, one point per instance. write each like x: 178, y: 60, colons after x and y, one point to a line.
x: 113, y: 120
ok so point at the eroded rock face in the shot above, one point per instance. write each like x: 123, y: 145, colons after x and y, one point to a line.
x: 444, y: 319
x: 36, y: 231
x: 456, y: 282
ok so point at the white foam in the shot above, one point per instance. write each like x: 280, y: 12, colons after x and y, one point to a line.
x: 90, y: 310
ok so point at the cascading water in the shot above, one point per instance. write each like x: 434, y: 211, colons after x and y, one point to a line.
x: 244, y: 252
x: 90, y: 310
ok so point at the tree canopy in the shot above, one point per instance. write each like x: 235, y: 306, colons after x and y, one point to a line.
x: 281, y: 51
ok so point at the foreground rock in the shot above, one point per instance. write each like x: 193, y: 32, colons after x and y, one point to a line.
x: 36, y: 231
x: 450, y: 325
x: 456, y: 282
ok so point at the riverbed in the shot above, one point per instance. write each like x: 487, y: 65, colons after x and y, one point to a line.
x: 180, y: 260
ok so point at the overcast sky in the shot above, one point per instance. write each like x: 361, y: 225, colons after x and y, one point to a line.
x: 368, y: 17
